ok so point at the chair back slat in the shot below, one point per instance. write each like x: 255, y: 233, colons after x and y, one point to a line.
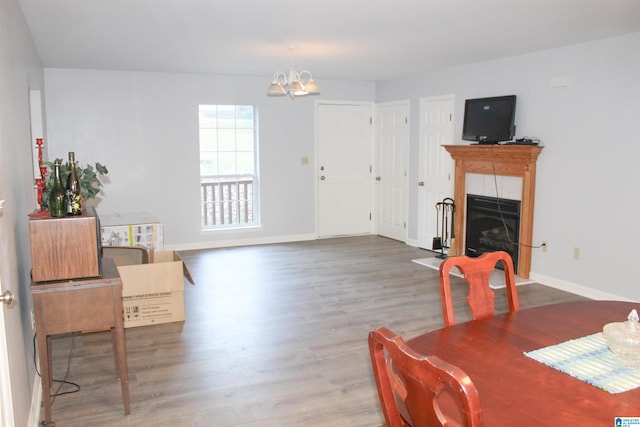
x: 477, y: 272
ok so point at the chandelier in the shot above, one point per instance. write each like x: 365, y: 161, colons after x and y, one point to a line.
x: 293, y: 83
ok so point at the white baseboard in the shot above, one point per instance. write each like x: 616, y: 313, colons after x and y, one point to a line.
x: 36, y: 403
x: 412, y: 242
x: 415, y: 244
x: 574, y: 288
x: 213, y: 244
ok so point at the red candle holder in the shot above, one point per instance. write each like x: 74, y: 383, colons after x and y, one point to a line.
x: 40, y: 183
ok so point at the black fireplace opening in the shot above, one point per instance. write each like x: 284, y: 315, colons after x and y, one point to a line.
x: 492, y: 225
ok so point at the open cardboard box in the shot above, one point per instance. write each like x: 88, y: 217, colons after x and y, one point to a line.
x: 153, y: 292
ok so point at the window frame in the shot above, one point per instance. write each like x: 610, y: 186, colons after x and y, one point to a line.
x: 228, y: 200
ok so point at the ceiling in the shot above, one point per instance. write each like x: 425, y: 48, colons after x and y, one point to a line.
x: 334, y: 39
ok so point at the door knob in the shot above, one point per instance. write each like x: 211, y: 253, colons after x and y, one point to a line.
x: 421, y: 184
x: 8, y: 298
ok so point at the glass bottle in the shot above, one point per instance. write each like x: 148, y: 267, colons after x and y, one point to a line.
x: 57, y: 196
x: 74, y: 199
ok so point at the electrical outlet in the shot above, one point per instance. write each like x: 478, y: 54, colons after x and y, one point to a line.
x: 545, y: 246
x: 576, y: 253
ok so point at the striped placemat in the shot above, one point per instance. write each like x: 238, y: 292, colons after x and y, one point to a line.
x: 590, y: 360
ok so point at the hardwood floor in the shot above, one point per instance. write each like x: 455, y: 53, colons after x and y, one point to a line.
x: 276, y: 335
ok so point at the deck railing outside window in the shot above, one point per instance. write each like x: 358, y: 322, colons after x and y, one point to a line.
x: 227, y: 201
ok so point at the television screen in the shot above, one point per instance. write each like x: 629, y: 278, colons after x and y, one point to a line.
x: 489, y: 120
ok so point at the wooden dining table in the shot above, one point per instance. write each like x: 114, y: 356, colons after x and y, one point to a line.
x: 516, y: 390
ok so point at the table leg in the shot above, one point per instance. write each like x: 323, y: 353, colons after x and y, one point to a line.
x: 120, y: 351
x: 50, y: 361
x: 44, y: 357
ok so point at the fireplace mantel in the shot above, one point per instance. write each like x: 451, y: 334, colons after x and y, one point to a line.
x: 504, y: 160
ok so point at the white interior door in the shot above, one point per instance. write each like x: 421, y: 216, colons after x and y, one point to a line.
x: 435, y: 173
x: 344, y: 141
x: 6, y: 401
x: 392, y: 148
x: 13, y: 360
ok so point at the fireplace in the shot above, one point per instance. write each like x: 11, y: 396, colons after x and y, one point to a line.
x: 492, y: 225
x: 500, y: 160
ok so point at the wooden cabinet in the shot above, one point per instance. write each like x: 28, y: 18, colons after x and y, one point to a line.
x: 70, y: 292
x: 65, y: 248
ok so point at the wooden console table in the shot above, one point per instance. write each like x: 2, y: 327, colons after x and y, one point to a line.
x: 504, y: 160
x: 80, y: 305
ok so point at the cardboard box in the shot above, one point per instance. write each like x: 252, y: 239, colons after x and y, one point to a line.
x: 131, y: 229
x: 153, y: 293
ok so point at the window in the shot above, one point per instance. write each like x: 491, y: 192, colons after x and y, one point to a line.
x: 228, y: 172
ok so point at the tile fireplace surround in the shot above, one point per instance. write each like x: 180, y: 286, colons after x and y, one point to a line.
x: 502, y: 160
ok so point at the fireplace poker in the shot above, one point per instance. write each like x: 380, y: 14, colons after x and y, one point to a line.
x: 447, y: 207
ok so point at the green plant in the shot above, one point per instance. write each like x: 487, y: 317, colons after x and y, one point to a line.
x: 88, y: 176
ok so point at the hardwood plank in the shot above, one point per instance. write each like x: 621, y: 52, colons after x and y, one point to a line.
x: 276, y: 335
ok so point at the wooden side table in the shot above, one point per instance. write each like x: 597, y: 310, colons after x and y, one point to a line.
x: 80, y: 305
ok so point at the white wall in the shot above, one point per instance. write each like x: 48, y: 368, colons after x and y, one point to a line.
x: 588, y: 183
x: 20, y: 71
x: 144, y: 127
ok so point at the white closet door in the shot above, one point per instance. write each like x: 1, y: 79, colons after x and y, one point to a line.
x: 435, y: 174
x: 392, y: 159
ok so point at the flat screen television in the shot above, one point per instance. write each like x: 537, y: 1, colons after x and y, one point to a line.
x: 489, y: 120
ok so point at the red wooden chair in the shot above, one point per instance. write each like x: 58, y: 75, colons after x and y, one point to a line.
x: 476, y: 272
x: 410, y: 386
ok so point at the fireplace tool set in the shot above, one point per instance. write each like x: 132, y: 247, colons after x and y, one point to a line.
x: 444, y: 225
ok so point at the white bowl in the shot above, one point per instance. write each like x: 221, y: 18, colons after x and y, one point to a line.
x: 623, y: 339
